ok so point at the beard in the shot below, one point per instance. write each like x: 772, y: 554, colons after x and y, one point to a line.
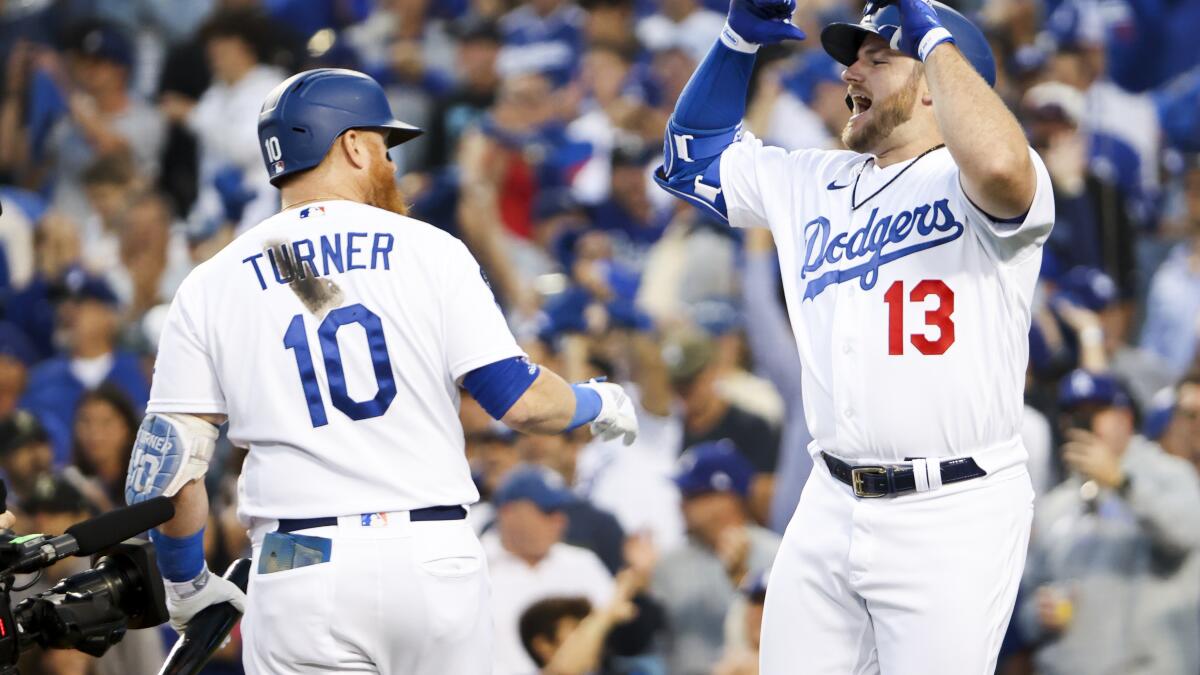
x: 888, y: 114
x: 383, y: 192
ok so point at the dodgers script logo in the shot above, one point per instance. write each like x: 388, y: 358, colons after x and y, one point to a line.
x: 880, y: 241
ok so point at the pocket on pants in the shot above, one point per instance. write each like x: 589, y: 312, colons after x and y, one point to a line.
x: 454, y: 578
x: 291, y: 614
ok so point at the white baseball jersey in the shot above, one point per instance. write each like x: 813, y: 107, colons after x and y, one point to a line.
x: 911, y: 311
x: 333, y: 336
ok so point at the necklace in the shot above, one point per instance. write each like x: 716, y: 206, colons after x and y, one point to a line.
x: 854, y: 191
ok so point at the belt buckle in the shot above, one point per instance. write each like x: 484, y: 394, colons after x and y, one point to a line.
x: 856, y: 480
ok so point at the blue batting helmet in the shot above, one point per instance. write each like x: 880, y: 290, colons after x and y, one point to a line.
x: 301, y: 117
x: 843, y: 40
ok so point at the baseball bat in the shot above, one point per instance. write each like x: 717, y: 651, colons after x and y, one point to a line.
x: 207, y: 630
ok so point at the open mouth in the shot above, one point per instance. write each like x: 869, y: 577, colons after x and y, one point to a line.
x: 859, y: 104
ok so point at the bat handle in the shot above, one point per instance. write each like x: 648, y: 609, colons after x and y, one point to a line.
x: 208, y: 629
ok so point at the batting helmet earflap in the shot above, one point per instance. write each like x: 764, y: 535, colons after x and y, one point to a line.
x: 302, y: 117
x: 842, y: 40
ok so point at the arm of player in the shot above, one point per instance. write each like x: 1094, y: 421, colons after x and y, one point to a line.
x: 535, y: 400
x: 170, y: 458
x: 708, y: 114
x: 986, y: 141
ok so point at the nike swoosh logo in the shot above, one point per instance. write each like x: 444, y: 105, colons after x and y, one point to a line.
x: 834, y: 186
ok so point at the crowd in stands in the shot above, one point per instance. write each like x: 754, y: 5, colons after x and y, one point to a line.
x: 129, y: 155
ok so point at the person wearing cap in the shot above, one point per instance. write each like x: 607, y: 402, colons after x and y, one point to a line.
x: 1173, y: 419
x: 477, y: 47
x: 697, y: 582
x: 801, y: 103
x: 89, y: 318
x: 16, y: 357
x: 1171, y: 329
x: 106, y: 117
x: 1112, y: 581
x: 25, y: 454
x: 528, y: 560
x: 909, y: 264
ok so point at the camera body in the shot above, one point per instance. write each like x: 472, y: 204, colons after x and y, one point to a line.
x: 89, y: 611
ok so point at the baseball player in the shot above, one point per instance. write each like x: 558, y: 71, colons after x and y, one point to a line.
x: 333, y: 337
x: 909, y: 264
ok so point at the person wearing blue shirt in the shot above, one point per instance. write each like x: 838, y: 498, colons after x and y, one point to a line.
x: 543, y: 36
x: 88, y: 318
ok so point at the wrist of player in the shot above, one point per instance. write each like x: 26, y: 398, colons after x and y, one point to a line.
x: 186, y: 599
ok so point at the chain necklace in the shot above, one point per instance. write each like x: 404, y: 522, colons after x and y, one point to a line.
x: 854, y: 191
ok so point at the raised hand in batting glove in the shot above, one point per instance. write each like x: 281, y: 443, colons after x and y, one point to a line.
x: 763, y: 22
x: 616, y: 418
x: 920, y: 28
x: 187, y: 598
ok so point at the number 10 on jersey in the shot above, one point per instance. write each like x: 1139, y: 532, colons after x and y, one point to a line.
x: 297, y: 340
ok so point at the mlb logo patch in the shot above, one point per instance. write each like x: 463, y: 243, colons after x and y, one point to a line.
x: 312, y: 211
x: 374, y: 519
x: 277, y: 167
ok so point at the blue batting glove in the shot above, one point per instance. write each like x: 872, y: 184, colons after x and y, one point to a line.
x: 763, y: 22
x: 920, y: 28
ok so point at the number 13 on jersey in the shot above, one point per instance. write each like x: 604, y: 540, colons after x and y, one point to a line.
x: 296, y: 339
x: 939, y: 317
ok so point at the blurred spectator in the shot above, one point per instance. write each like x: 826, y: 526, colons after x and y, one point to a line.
x: 609, y: 114
x: 629, y: 215
x: 587, y: 526
x: 1112, y: 582
x: 474, y: 93
x: 57, y: 251
x: 742, y: 658
x: 542, y: 36
x: 1172, y: 327
x: 1092, y: 222
x: 16, y: 356
x: 21, y: 210
x: 89, y: 321
x: 685, y: 24
x: 103, y: 114
x: 25, y: 454
x: 1173, y: 420
x: 109, y: 184
x: 233, y: 188
x: 154, y: 255
x: 691, y: 360
x: 769, y: 334
x: 571, y: 636
x: 528, y: 562
x: 105, y: 426
x: 697, y: 582
x: 800, y: 103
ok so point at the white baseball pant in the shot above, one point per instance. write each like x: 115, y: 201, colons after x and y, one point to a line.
x: 919, y: 584
x: 400, y: 597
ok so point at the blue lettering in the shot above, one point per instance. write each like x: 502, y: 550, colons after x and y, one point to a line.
x: 305, y: 258
x: 839, y: 242
x: 332, y: 252
x: 821, y: 227
x: 379, y: 250
x: 919, y: 214
x: 253, y: 260
x: 286, y: 260
x: 901, y: 226
x: 942, y: 206
x: 351, y: 249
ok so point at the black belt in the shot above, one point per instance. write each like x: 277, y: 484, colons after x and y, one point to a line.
x: 881, y: 481
x: 417, y: 515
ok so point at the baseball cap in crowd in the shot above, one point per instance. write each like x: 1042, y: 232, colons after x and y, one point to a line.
x: 713, y: 467
x: 1088, y: 287
x: 15, y: 344
x: 20, y: 429
x: 1055, y: 101
x: 107, y: 42
x: 1074, y: 26
x: 1159, y: 412
x: 55, y: 496
x: 79, y: 285
x: 539, y: 485
x: 1081, y: 387
x: 686, y: 352
x: 716, y: 316
x: 475, y: 29
x: 632, y: 152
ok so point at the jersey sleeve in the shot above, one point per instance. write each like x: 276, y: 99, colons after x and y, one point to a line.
x: 1011, y: 241
x: 185, y: 380
x: 751, y: 174
x: 474, y: 330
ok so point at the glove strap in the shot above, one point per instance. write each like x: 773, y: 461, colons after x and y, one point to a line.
x: 932, y: 39
x: 182, y: 590
x: 737, y: 43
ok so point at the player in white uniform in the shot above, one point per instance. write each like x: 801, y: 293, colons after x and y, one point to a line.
x: 334, y: 337
x: 909, y: 265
